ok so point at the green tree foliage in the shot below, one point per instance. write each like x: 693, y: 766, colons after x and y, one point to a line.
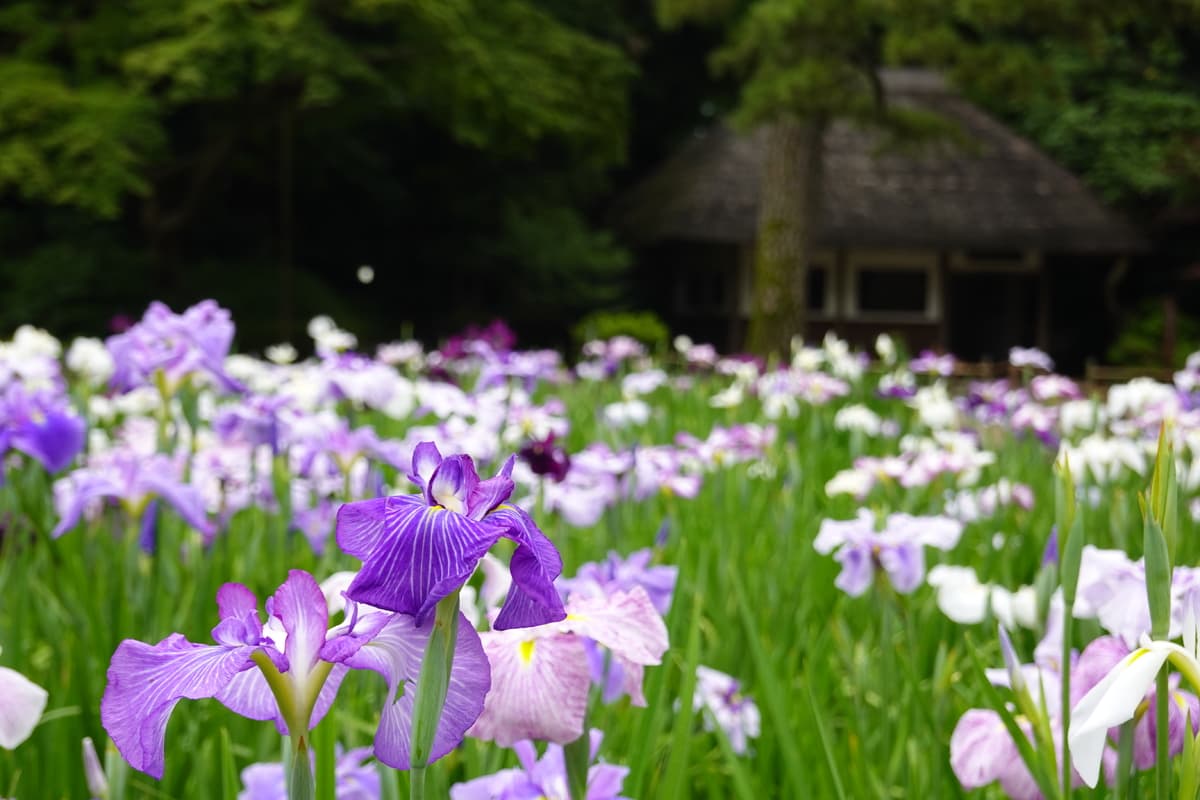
x: 1109, y: 88
x: 1120, y: 108
x: 291, y: 134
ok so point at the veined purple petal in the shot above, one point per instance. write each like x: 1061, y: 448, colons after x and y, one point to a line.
x: 360, y: 524
x: 625, y: 622
x: 492, y: 492
x: 146, y: 681
x: 346, y: 639
x: 239, y: 623
x: 422, y: 555
x: 396, y: 653
x: 235, y: 600
x: 248, y: 695
x: 539, y: 688
x: 532, y: 599
x: 300, y: 606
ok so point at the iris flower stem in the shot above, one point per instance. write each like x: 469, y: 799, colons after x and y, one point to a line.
x: 1124, y: 762
x: 1065, y: 716
x: 432, y: 685
x: 1162, y: 758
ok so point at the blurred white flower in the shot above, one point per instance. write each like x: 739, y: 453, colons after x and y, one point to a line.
x: 282, y: 353
x: 90, y: 359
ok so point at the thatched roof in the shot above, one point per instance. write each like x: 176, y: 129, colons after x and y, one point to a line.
x: 998, y: 193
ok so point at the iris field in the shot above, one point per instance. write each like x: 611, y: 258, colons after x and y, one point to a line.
x: 831, y: 545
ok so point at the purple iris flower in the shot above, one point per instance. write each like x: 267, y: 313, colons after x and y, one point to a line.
x: 736, y: 714
x: 133, y: 480
x: 41, y: 426
x: 898, y: 549
x: 355, y: 779
x: 617, y: 574
x: 254, y: 421
x: 307, y: 662
x: 544, y: 778
x: 418, y: 549
x: 178, y: 345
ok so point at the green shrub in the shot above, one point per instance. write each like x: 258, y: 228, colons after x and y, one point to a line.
x: 645, y: 326
x: 1140, y: 342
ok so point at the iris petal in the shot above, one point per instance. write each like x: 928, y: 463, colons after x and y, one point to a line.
x: 539, y: 688
x: 422, y: 555
x: 396, y: 653
x: 146, y: 681
x: 360, y: 525
x: 626, y: 623
x: 533, y: 599
x: 21, y: 704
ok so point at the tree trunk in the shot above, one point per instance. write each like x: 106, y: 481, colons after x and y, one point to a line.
x: 789, y: 207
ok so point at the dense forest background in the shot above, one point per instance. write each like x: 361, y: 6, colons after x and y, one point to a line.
x: 469, y: 151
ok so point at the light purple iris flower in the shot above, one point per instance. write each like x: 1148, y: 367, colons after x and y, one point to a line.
x: 254, y: 421
x: 355, y: 779
x: 541, y: 676
x: 898, y: 549
x: 1112, y: 589
x: 981, y: 749
x: 418, y: 549
x: 305, y: 657
x: 736, y: 714
x: 600, y: 579
x: 544, y: 779
x: 983, y: 752
x: 180, y: 345
x: 133, y: 480
x: 42, y: 426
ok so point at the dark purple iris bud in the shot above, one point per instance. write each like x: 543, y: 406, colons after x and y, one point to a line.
x: 546, y: 458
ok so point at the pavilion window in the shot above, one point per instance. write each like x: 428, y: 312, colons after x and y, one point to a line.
x: 893, y: 290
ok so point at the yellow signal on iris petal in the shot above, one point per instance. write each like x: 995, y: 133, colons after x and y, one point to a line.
x: 526, y: 650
